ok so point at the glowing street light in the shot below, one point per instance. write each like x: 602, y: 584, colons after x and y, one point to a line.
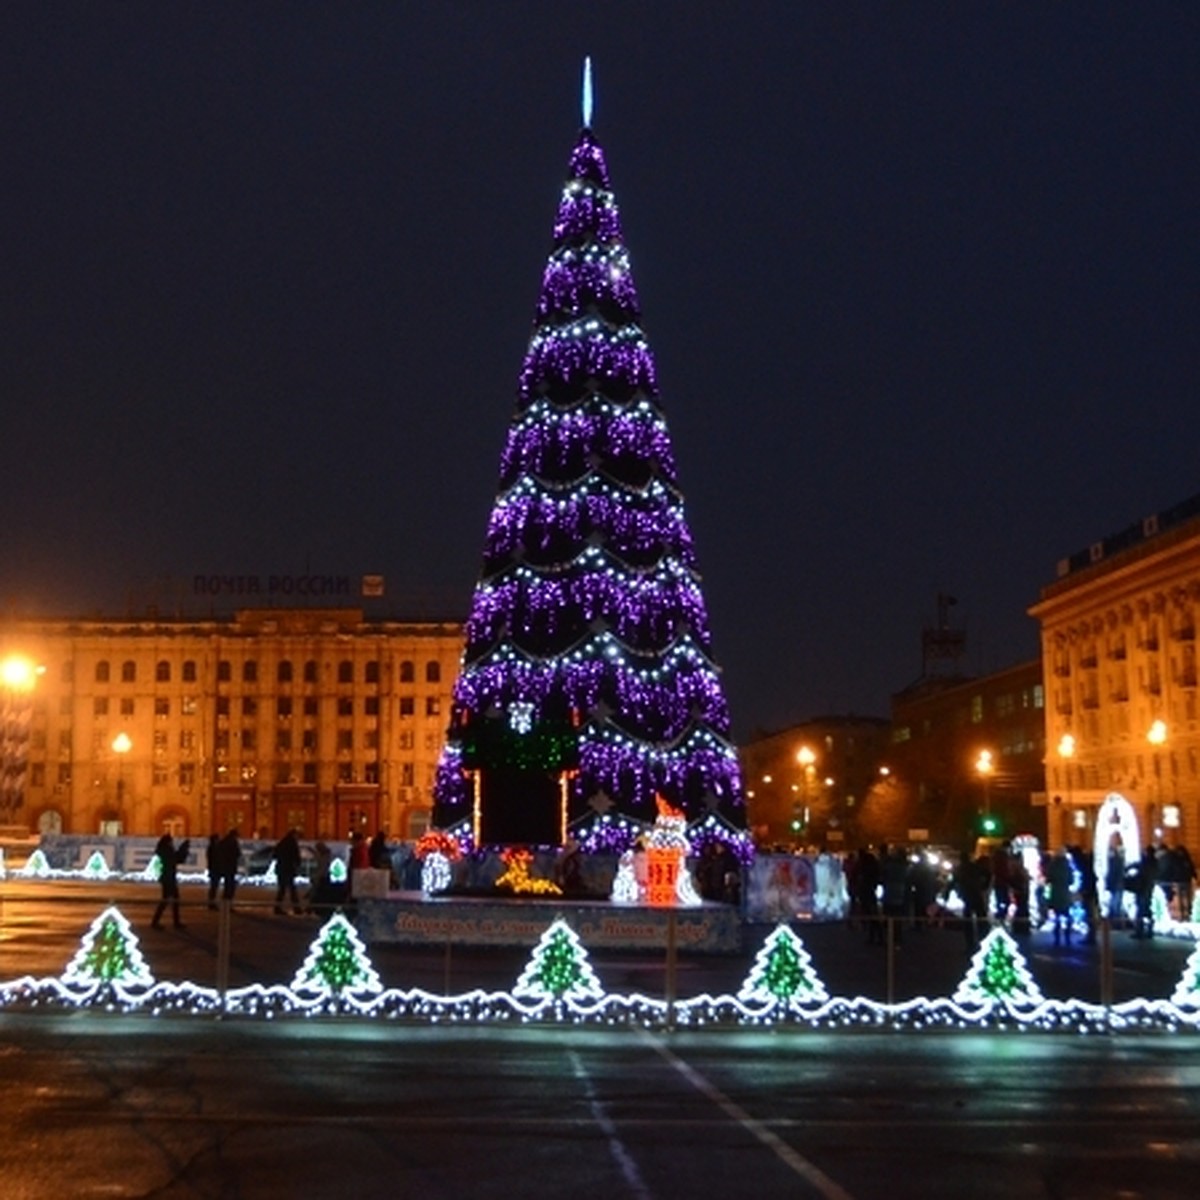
x: 1156, y: 735
x: 985, y: 765
x: 18, y: 675
x: 121, y: 746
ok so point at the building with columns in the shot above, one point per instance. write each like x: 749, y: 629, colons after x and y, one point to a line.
x: 313, y: 718
x: 1118, y: 630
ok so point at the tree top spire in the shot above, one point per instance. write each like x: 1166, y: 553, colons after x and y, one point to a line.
x: 587, y: 97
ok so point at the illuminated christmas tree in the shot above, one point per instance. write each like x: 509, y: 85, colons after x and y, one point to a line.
x: 783, y: 972
x: 998, y: 973
x: 1187, y: 991
x: 559, y: 969
x: 588, y: 675
x: 109, y: 953
x: 337, y: 962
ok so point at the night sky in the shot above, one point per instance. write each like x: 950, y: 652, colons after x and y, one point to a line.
x: 921, y: 281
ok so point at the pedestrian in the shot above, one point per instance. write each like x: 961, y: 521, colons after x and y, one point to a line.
x: 1088, y: 895
x: 971, y: 882
x: 1114, y: 881
x: 212, y: 860
x: 868, y: 894
x: 1146, y: 880
x: 287, y: 866
x: 1185, y: 875
x: 230, y: 857
x: 894, y: 880
x: 1059, y: 877
x: 169, y: 857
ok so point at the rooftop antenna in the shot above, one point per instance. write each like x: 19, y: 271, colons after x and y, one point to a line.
x: 587, y: 92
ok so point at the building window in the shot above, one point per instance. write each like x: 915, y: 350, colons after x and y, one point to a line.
x: 159, y: 775
x: 308, y: 741
x: 407, y: 739
x: 372, y: 671
x: 371, y: 706
x: 407, y: 774
x: 222, y: 706
x: 248, y: 739
x: 283, y: 741
x: 100, y: 706
x: 433, y: 706
x: 407, y: 672
x: 345, y: 706
x: 371, y: 739
x: 345, y: 671
x: 308, y: 773
x: 310, y: 671
x: 102, y: 671
x: 224, y: 671
x: 310, y: 706
x: 187, y: 776
x: 129, y: 671
x: 187, y: 741
x: 64, y: 774
x: 407, y: 706
x: 127, y: 706
x: 283, y: 708
x: 37, y: 775
x: 283, y: 672
x: 371, y: 773
x: 976, y: 709
x: 249, y: 706
x: 162, y: 671
x: 187, y: 706
x: 250, y: 671
x: 160, y: 741
x: 188, y: 674
x: 345, y: 772
x: 345, y: 740
x: 162, y: 707
x: 221, y: 741
x: 433, y: 672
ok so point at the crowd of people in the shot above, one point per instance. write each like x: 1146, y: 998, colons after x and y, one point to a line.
x: 892, y: 891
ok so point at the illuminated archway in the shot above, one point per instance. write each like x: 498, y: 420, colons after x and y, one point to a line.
x: 1115, y: 817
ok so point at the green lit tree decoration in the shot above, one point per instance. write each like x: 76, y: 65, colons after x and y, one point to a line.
x: 109, y: 954
x: 1187, y: 991
x: 559, y: 969
x: 998, y: 974
x: 783, y: 972
x: 337, y: 962
x: 96, y: 866
x: 37, y: 865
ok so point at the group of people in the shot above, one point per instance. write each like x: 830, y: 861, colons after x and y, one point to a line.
x: 223, y: 859
x: 888, y: 888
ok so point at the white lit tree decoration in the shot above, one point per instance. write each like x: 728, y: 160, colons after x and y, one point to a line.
x: 998, y: 974
x: 109, y: 954
x: 783, y: 973
x: 337, y: 962
x: 559, y: 969
x: 1187, y: 991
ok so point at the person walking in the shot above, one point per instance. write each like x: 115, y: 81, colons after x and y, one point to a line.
x: 169, y: 857
x: 1059, y: 877
x: 230, y: 855
x: 287, y: 867
x: 212, y: 860
x: 1146, y: 882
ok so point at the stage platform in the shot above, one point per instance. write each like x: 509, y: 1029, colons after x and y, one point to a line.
x: 410, y: 917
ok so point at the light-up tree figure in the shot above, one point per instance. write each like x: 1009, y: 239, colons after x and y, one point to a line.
x: 559, y: 969
x: 337, y: 962
x: 588, y: 665
x: 783, y: 973
x: 998, y: 974
x: 109, y: 954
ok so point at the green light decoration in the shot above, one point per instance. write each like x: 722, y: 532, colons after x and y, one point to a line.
x: 998, y: 974
x: 337, y: 962
x: 109, y: 954
x: 96, y: 866
x: 783, y: 973
x: 36, y: 865
x: 1187, y: 991
x: 559, y: 969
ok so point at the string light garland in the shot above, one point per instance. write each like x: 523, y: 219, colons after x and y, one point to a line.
x: 558, y: 984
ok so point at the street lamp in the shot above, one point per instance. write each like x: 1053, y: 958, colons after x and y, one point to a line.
x: 121, y: 746
x: 1156, y: 735
x: 985, y: 766
x: 18, y: 675
x: 806, y: 757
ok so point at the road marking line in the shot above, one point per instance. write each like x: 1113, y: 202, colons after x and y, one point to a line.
x: 826, y: 1187
x: 633, y: 1177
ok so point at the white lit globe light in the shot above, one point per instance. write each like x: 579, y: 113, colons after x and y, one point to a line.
x: 435, y: 873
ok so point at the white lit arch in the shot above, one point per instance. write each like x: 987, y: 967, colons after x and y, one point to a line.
x: 1116, y: 816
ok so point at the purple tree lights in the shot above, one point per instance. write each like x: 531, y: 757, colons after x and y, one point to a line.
x: 588, y: 653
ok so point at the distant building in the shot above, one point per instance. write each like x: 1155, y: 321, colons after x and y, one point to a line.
x: 806, y: 784
x: 966, y: 748
x: 275, y: 718
x: 1119, y: 645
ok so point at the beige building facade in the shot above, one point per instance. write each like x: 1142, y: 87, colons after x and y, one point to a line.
x: 315, y: 719
x: 1118, y: 632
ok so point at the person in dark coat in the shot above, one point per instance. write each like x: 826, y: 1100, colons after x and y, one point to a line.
x: 230, y: 856
x: 212, y: 860
x: 287, y: 867
x: 868, y: 876
x: 169, y: 856
x: 972, y: 881
x: 1060, y: 877
x: 1146, y: 880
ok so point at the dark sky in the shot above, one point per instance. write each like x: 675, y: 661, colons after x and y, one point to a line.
x: 921, y: 280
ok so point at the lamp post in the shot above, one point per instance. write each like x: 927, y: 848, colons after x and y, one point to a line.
x: 1066, y: 751
x: 985, y: 766
x: 18, y: 675
x: 1156, y: 735
x: 121, y: 746
x: 806, y: 757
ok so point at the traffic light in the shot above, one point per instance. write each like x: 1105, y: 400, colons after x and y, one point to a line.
x: 990, y: 825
